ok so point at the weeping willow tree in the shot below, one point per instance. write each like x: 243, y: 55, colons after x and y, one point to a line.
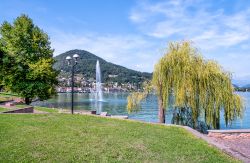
x: 186, y: 81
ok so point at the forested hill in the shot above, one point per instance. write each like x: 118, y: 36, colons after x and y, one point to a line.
x: 110, y: 71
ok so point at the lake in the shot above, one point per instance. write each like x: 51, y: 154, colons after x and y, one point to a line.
x: 115, y: 104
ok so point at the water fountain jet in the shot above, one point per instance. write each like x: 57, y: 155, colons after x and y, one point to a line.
x: 98, y: 94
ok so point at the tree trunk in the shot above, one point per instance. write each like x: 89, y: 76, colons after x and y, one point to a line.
x: 217, y: 120
x: 27, y: 100
x: 161, y: 112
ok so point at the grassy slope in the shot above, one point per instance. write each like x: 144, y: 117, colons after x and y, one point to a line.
x: 3, y: 109
x: 64, y: 138
x: 20, y: 106
x: 4, y: 96
x: 7, y: 94
x: 48, y: 110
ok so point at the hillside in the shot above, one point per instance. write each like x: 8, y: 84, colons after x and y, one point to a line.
x: 87, y: 63
x: 246, y: 86
x: 242, y: 88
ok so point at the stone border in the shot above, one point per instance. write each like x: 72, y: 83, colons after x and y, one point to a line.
x: 23, y: 110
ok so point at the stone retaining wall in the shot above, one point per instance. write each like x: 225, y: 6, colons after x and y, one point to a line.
x: 23, y: 110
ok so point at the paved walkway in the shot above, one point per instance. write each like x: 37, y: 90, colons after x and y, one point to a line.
x: 236, y: 147
x: 241, y: 146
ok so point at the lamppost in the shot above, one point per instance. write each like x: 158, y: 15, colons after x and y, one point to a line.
x: 73, y: 63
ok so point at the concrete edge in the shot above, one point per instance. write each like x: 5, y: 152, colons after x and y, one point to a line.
x: 230, y: 131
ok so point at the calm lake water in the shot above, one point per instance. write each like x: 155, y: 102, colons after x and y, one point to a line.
x: 115, y: 104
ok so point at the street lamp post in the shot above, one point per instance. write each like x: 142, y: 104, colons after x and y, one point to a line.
x: 73, y: 63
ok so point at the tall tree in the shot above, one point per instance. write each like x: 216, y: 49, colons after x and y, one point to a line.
x: 27, y: 64
x: 186, y: 81
x: 1, y: 67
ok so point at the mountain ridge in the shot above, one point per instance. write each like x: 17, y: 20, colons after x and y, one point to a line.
x: 86, y: 67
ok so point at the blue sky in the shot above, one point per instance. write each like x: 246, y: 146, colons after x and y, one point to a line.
x: 134, y: 33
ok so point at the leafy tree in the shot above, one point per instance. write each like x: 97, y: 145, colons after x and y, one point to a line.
x: 28, y: 60
x: 1, y: 67
x: 186, y: 81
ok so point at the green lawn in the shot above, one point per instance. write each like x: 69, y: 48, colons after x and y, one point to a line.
x: 8, y: 94
x: 44, y: 109
x: 21, y: 106
x: 82, y: 138
x: 3, y: 109
x: 4, y: 96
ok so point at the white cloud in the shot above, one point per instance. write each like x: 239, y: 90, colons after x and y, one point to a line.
x: 221, y: 33
x: 193, y: 20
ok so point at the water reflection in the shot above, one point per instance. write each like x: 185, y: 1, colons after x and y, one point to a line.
x: 97, y: 106
x: 115, y: 104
